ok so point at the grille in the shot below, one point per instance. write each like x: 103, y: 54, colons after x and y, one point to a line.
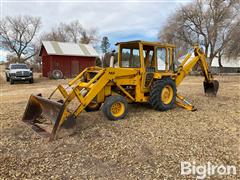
x: 22, y: 73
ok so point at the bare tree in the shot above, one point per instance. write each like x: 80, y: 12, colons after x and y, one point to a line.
x: 72, y: 32
x: 17, y: 35
x: 171, y: 33
x: 207, y: 22
x: 89, y: 36
x: 56, y: 34
x: 233, y: 48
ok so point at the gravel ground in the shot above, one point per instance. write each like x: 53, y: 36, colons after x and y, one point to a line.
x: 146, y: 145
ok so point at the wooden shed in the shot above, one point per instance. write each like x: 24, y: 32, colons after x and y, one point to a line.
x: 68, y: 58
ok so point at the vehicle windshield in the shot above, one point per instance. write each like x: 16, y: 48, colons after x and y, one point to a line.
x: 19, y: 66
x: 130, y: 58
x: 130, y: 55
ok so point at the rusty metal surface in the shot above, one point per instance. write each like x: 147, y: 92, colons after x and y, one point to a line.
x: 41, y: 114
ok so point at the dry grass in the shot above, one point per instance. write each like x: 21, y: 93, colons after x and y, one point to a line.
x: 146, y: 145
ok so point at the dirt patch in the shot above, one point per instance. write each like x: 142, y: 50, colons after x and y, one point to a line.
x: 146, y: 145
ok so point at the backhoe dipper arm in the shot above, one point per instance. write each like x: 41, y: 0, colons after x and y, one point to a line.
x: 210, y: 85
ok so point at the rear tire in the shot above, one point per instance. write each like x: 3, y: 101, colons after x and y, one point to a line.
x: 163, y: 94
x: 31, y: 81
x: 115, y: 107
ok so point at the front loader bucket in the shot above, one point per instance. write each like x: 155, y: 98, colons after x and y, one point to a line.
x: 39, y: 111
x: 211, y: 88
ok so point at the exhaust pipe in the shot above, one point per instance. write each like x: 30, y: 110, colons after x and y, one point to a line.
x: 112, y: 59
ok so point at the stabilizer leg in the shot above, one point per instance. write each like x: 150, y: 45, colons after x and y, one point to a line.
x: 182, y: 102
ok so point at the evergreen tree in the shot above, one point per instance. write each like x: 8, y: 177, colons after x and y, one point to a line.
x: 105, y: 44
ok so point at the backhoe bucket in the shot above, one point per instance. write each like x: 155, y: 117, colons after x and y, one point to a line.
x: 38, y: 113
x: 211, y: 88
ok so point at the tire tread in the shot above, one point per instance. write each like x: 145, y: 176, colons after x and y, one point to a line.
x: 155, y: 100
x: 108, y: 103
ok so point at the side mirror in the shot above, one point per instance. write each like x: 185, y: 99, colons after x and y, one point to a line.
x: 7, y: 68
x: 31, y: 69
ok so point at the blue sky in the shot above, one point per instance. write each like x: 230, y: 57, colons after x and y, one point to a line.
x: 119, y: 20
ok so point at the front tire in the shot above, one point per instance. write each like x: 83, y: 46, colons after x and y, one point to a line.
x: 163, y: 94
x: 115, y: 107
x: 31, y: 81
x: 7, y: 78
x: 93, y: 106
x: 11, y: 81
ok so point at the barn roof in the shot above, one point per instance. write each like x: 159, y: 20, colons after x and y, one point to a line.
x: 68, y: 49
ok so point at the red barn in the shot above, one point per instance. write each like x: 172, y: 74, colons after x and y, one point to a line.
x: 66, y: 59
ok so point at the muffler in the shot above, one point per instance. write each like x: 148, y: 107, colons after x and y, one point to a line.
x: 211, y: 87
x: 45, y: 116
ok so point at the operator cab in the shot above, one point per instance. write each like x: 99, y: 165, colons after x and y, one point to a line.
x: 148, y: 56
x: 151, y: 58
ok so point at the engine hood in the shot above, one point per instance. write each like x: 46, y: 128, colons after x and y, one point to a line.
x: 16, y: 70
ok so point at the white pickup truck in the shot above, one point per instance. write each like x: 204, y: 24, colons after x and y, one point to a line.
x: 18, y: 72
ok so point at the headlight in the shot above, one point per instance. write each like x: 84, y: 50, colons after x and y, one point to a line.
x: 31, y: 73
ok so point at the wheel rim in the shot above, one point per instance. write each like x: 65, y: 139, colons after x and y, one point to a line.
x: 92, y: 104
x: 167, y: 94
x: 117, y: 109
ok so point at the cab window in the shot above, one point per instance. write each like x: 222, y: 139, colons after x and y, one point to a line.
x: 148, y: 56
x: 130, y: 58
x: 161, y: 58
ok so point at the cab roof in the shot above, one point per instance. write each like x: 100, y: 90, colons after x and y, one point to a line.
x: 146, y: 43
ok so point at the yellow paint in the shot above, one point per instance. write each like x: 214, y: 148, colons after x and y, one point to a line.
x: 117, y: 109
x: 167, y: 94
x: 182, y: 102
x: 129, y: 82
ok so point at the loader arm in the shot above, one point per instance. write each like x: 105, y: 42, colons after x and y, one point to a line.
x: 58, y: 112
x: 81, y: 89
x: 85, y: 94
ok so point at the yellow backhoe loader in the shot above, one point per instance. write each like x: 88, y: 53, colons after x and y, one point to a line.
x: 145, y: 73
